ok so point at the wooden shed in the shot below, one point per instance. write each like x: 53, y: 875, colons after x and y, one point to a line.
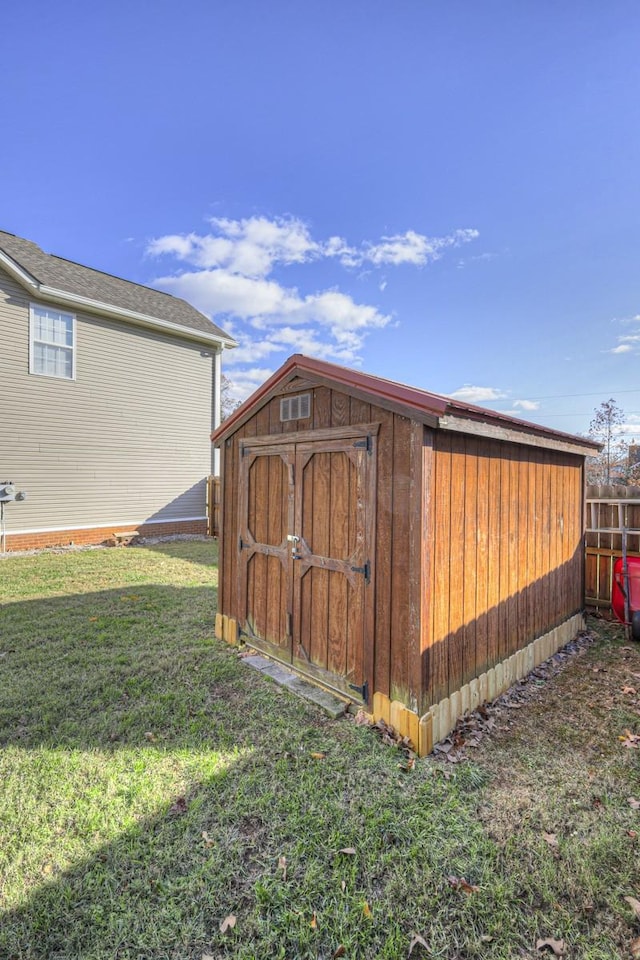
x: 411, y: 552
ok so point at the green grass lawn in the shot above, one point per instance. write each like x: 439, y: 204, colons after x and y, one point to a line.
x: 152, y: 785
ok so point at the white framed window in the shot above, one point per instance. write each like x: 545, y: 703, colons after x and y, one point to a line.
x: 52, y: 342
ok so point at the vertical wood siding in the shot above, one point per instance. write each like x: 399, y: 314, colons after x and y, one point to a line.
x: 507, y: 557
x: 126, y: 442
x: 478, y: 544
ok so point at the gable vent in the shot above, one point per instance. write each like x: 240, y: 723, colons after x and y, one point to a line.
x: 296, y: 408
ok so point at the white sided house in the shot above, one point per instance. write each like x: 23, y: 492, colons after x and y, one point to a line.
x: 109, y: 392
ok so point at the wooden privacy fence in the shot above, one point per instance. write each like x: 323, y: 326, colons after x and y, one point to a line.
x: 610, y: 510
x: 213, y: 506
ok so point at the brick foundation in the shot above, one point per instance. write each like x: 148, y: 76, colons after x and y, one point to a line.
x: 64, y: 538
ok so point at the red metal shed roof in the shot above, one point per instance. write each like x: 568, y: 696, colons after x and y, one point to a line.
x: 439, y: 410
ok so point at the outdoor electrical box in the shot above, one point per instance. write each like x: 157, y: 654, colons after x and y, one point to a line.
x: 8, y: 492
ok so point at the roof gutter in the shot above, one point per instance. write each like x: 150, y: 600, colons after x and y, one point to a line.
x: 108, y: 310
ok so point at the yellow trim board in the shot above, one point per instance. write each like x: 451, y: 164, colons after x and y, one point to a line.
x: 438, y: 722
x: 226, y: 628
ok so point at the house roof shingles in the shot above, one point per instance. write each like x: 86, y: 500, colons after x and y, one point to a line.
x: 78, y: 280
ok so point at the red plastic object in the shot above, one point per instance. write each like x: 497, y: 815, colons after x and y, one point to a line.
x: 617, y: 587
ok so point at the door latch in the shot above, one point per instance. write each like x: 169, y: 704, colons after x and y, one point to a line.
x: 294, y: 541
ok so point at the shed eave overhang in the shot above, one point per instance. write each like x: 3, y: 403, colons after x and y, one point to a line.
x: 529, y: 434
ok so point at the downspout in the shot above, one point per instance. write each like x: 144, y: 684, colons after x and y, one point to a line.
x: 216, y: 407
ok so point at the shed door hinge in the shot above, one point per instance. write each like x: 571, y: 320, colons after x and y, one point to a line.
x: 363, y: 690
x: 365, y: 571
x: 366, y: 443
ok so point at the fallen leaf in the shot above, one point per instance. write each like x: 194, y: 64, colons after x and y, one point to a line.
x: 350, y: 851
x: 630, y: 690
x: 630, y: 739
x: 486, y: 938
x: 454, y: 758
x: 208, y: 956
x: 340, y: 952
x: 635, y: 949
x: 551, y: 839
x: 151, y: 737
x: 408, y: 766
x: 314, y: 922
x: 558, y: 946
x: 366, y: 911
x: 228, y: 923
x: 417, y: 941
x: 318, y: 756
x: 459, y: 883
x: 282, y: 865
x: 634, y: 803
x: 343, y: 885
x: 92, y: 619
x: 208, y: 842
x: 635, y: 906
x: 632, y: 834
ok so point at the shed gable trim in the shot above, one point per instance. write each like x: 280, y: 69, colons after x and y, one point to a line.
x: 430, y: 409
x: 293, y: 377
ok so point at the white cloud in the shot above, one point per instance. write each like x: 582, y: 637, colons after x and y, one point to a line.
x: 471, y: 394
x: 527, y: 404
x: 219, y: 292
x: 250, y: 351
x: 255, y: 245
x: 227, y: 274
x: 243, y: 382
x: 304, y: 340
x: 414, y: 248
x: 630, y: 341
x: 250, y: 247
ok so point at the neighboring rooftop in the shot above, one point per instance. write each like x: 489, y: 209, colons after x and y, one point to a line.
x: 57, y: 274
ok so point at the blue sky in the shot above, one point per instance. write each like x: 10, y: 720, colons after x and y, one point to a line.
x: 446, y: 194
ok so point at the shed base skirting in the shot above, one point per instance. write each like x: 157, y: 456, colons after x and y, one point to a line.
x: 36, y: 540
x: 438, y: 722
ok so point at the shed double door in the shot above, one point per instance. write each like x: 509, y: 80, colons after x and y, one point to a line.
x: 305, y: 568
